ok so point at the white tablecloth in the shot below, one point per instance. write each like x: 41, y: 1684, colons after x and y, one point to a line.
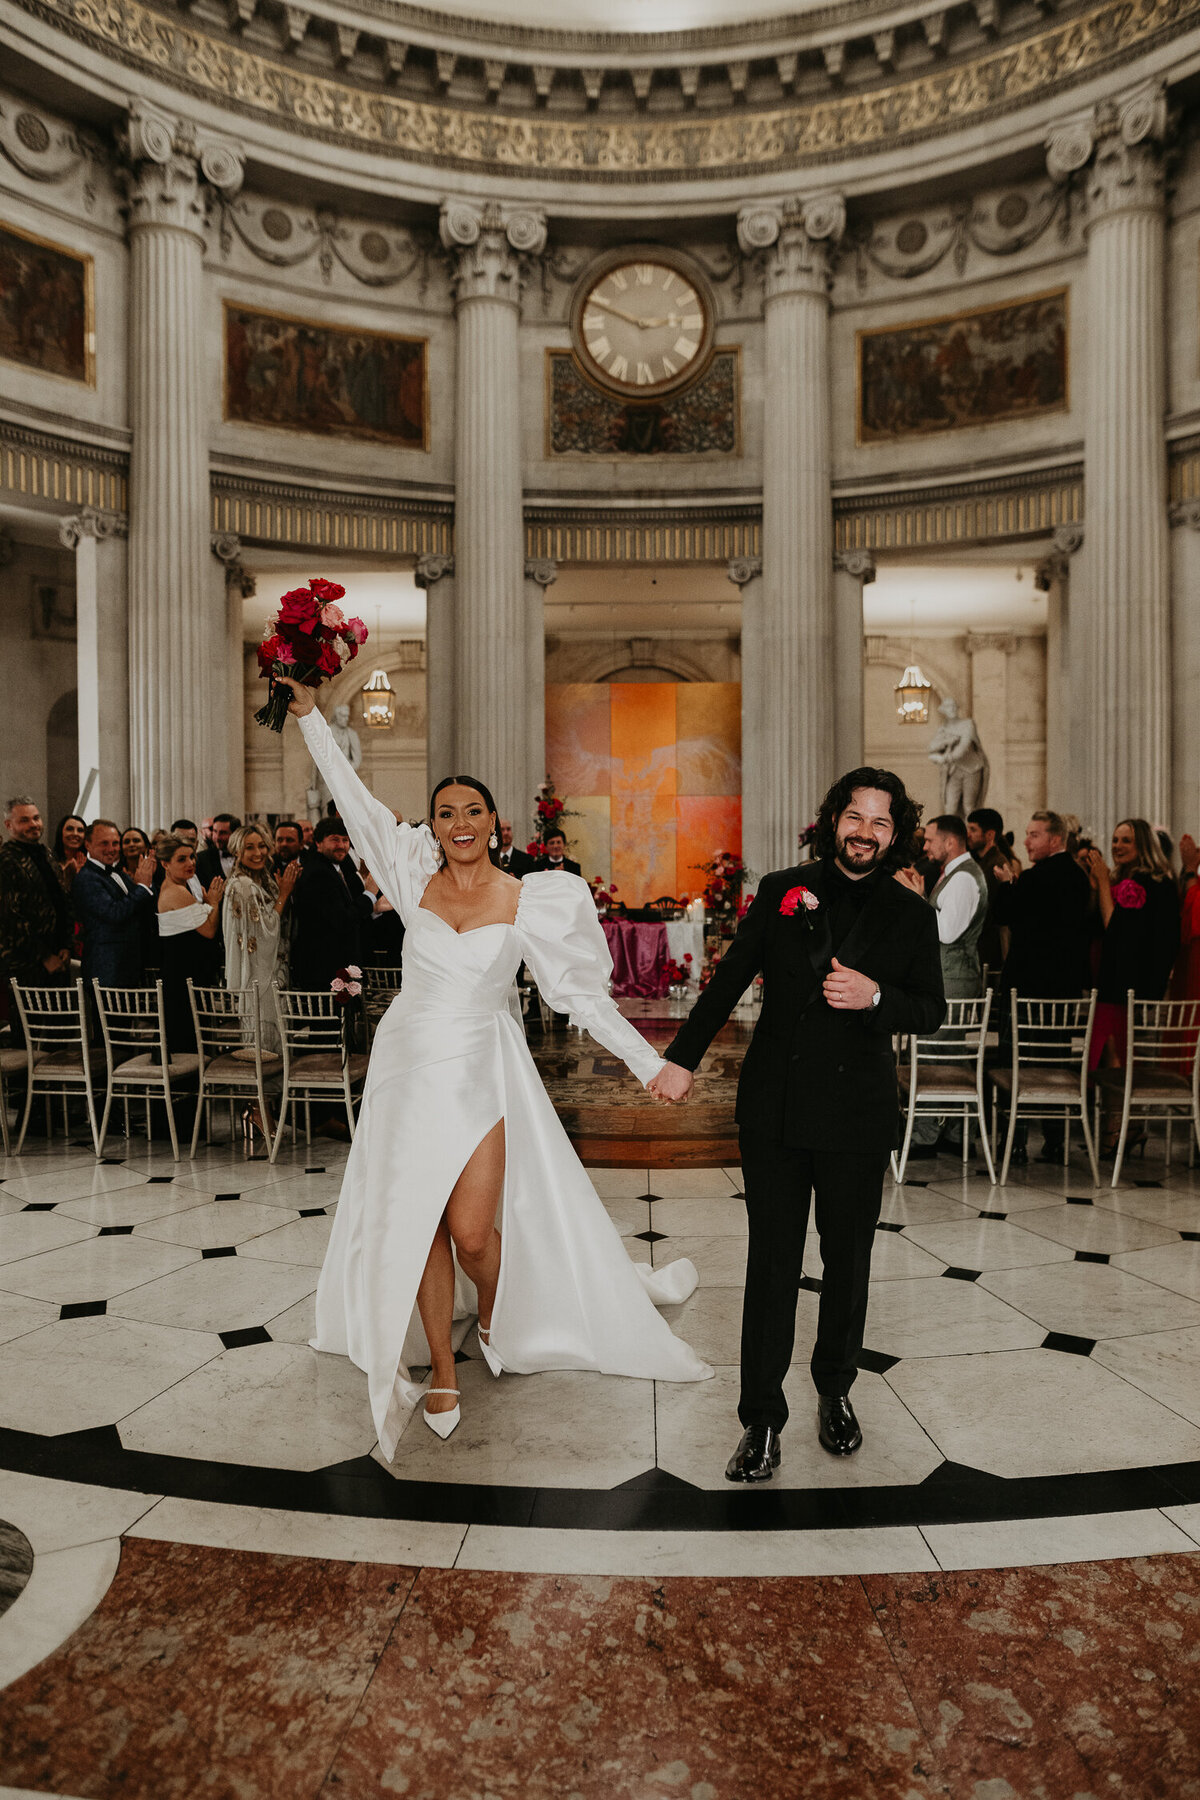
x: 685, y: 937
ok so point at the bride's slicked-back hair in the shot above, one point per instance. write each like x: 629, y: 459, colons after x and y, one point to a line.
x: 906, y: 814
x: 485, y: 794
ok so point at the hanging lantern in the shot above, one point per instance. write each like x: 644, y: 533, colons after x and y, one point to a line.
x: 912, y: 696
x: 379, y: 702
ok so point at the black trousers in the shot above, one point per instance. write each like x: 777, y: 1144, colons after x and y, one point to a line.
x: 780, y: 1183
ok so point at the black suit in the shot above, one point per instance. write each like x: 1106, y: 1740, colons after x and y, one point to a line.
x: 1046, y: 910
x: 519, y: 863
x: 817, y: 1105
x: 208, y: 867
x: 568, y: 867
x: 113, y: 912
x: 331, y: 914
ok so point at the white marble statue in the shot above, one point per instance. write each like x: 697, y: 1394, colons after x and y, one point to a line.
x: 350, y: 745
x: 958, y: 753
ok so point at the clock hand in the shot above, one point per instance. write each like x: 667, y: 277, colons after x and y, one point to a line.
x: 629, y: 318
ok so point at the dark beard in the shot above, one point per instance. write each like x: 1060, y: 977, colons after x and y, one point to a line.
x: 858, y: 868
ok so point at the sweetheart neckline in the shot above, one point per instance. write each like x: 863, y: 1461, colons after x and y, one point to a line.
x: 503, y: 924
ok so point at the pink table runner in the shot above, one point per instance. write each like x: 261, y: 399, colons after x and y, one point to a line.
x: 640, y: 958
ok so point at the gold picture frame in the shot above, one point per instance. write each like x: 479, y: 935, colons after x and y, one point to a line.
x: 87, y: 268
x: 363, y: 431
x: 1061, y: 402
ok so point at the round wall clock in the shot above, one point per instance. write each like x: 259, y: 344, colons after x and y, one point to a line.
x: 642, y: 323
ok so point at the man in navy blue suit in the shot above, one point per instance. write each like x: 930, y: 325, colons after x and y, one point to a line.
x: 112, y: 909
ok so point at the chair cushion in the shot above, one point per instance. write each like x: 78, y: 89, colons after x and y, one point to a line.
x: 1148, y: 1083
x: 59, y: 1062
x: 1039, y: 1079
x: 139, y: 1071
x: 239, y: 1067
x: 955, y: 1078
x: 317, y: 1066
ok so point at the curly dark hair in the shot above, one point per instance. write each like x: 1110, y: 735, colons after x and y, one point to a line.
x: 906, y: 813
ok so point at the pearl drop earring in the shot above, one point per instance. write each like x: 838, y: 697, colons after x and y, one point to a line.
x: 493, y: 842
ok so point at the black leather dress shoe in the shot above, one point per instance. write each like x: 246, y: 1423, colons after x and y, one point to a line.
x: 839, y: 1430
x: 756, y: 1457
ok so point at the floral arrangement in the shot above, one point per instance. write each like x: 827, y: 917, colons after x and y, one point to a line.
x: 346, y: 985
x: 1130, y: 894
x: 807, y: 836
x: 305, y: 641
x: 726, y: 874
x: 603, y: 896
x: 679, y: 974
x: 549, y: 811
x: 708, y: 967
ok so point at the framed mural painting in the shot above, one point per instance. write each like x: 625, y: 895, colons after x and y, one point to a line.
x: 703, y: 419
x: 47, y: 308
x: 302, y: 375
x: 1006, y: 361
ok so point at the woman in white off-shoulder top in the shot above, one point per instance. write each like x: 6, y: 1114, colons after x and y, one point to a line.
x: 462, y: 1193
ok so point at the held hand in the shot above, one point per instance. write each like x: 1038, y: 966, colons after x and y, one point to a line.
x: 1004, y: 873
x: 1189, y: 853
x: 143, y: 875
x: 911, y: 878
x: 671, y: 1085
x: 303, y: 702
x: 289, y: 875
x: 214, y: 890
x: 847, y: 989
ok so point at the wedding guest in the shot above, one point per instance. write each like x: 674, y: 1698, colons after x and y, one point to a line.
x: 1139, y: 913
x: 187, y: 831
x: 111, y: 907
x: 306, y: 834
x: 135, y: 846
x: 989, y: 845
x: 187, y: 929
x: 69, y: 847
x: 1046, y: 912
x: 255, y: 925
x: 1186, y: 985
x: 1189, y: 858
x: 217, y: 860
x: 330, y: 909
x: 287, y: 844
x: 35, y: 914
x: 516, y: 861
x: 556, y: 853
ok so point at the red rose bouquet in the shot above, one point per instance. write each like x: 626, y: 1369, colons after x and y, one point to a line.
x: 306, y: 640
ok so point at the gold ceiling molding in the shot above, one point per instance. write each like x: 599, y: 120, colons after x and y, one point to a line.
x: 998, y: 81
x: 56, y: 473
x: 265, y: 512
x: 967, y: 513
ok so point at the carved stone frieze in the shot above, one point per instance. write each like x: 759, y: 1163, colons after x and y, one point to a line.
x: 998, y: 223
x: 983, y: 84
x: 45, y: 149
x: 287, y: 237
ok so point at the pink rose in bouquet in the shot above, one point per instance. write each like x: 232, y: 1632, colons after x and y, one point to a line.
x: 309, y: 640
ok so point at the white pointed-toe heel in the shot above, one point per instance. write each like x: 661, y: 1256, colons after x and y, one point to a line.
x: 484, y: 1333
x: 442, y: 1423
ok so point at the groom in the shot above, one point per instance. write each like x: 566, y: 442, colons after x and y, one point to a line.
x: 848, y: 956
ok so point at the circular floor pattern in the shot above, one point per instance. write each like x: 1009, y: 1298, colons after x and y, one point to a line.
x: 1032, y: 1353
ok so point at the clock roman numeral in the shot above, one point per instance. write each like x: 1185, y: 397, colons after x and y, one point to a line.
x: 644, y: 274
x: 618, y: 368
x: 644, y: 373
x: 600, y: 348
x: 684, y: 347
x: 618, y: 280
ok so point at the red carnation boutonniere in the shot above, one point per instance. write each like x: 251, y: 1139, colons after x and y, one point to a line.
x: 799, y: 900
x: 1130, y: 894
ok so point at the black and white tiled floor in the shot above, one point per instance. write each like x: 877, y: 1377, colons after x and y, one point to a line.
x: 1030, y: 1388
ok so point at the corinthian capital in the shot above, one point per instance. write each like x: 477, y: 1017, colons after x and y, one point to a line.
x: 795, y: 240
x: 490, y: 245
x: 172, y: 169
x: 1119, y: 143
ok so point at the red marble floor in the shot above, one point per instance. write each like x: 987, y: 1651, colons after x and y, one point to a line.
x: 223, y: 1673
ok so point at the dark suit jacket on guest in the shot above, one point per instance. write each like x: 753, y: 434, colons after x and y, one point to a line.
x: 814, y: 1076
x: 113, y: 927
x: 1046, y: 910
x: 208, y: 867
x: 331, y: 914
x: 519, y: 863
x: 566, y: 866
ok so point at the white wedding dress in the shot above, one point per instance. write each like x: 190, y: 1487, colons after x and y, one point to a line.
x: 449, y: 1060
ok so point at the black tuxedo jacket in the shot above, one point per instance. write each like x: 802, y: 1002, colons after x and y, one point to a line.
x: 519, y: 863
x: 566, y: 866
x: 1046, y: 909
x: 814, y: 1076
x: 208, y: 866
x: 331, y: 915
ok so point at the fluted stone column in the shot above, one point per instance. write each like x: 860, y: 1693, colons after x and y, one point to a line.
x: 798, y: 751
x: 435, y: 573
x: 232, y: 585
x: 175, y: 632
x: 539, y: 575
x: 1185, y: 669
x: 489, y: 244
x: 1065, y: 754
x: 1122, y: 611
x: 745, y: 572
x: 102, y: 660
x: 853, y: 571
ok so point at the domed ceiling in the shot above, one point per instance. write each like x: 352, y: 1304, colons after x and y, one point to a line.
x: 647, y: 18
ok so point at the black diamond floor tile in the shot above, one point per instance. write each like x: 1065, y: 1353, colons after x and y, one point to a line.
x: 1070, y: 1346
x: 312, y: 1212
x: 239, y: 1340
x: 962, y: 1274
x: 993, y: 1215
x: 1079, y: 1200
x: 1091, y: 1256
x: 876, y: 1362
x: 158, y: 1180
x: 220, y: 1250
x: 650, y: 1237
x: 83, y: 1309
x: 317, y: 1169
x: 227, y: 1196
x: 1190, y: 1237
x: 116, y: 1231
x: 1157, y: 1184
x: 888, y: 1225
x: 40, y: 1206
x: 910, y: 1182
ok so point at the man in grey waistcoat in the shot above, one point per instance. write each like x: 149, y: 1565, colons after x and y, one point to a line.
x: 960, y: 899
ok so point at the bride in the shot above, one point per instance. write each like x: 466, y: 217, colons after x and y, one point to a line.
x: 459, y: 1158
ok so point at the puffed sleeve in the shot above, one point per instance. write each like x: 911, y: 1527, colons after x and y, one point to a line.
x: 562, y: 942
x: 401, y: 858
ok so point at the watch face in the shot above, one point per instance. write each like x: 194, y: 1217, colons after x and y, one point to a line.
x: 642, y: 326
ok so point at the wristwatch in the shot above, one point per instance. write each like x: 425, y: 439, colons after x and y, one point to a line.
x: 877, y: 996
